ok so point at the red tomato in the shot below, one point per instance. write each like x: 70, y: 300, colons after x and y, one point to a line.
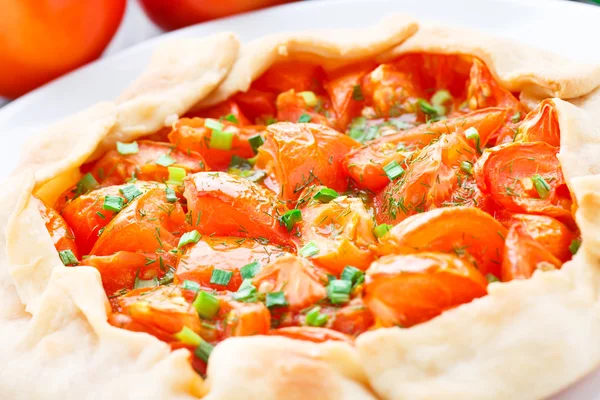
x: 540, y: 125
x: 257, y: 104
x: 119, y: 271
x: 225, y: 205
x: 57, y: 227
x: 465, y: 231
x: 311, y: 334
x: 171, y: 15
x: 296, y: 156
x: 227, y: 108
x: 365, y: 165
x: 224, y: 253
x: 301, y: 282
x: 292, y: 107
x: 429, y: 181
x: 43, y: 39
x: 291, y: 75
x: 509, y: 173
x: 409, y: 289
x: 353, y: 319
x: 148, y: 224
x: 247, y: 319
x: 191, y: 135
x: 114, y: 168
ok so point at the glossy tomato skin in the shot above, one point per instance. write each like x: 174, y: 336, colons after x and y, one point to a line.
x: 292, y: 107
x: 60, y: 232
x: 410, y: 289
x: 175, y: 14
x: 540, y: 125
x: 353, y: 319
x: 43, y: 39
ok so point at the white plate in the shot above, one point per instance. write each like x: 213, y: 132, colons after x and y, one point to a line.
x: 564, y: 27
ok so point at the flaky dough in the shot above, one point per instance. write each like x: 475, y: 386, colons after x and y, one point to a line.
x: 526, y: 339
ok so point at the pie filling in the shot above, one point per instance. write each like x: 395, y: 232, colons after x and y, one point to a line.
x: 320, y: 205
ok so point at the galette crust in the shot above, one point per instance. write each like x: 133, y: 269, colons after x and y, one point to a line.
x: 526, y: 339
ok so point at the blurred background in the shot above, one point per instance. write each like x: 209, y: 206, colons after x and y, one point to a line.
x: 41, y: 40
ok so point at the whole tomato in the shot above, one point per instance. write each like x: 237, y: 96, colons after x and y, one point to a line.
x: 175, y: 14
x: 43, y: 39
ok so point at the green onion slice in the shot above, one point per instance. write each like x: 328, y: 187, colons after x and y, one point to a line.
x: 68, y: 257
x: 325, y: 195
x: 221, y: 140
x: 310, y: 249
x: 189, y: 337
x: 176, y: 175
x: 85, y: 184
x: 541, y: 186
x: 393, y: 170
x: 574, y: 246
x: 381, y: 230
x: 338, y: 291
x: 165, y: 160
x: 220, y: 277
x: 276, y: 299
x: 473, y: 134
x: 171, y: 196
x: 113, y: 203
x: 315, y: 318
x: 190, y: 285
x: 246, y: 292
x: 189, y: 237
x: 466, y: 167
x: 204, y: 350
x: 250, y: 270
x: 441, y: 97
x: 213, y: 124
x: 231, y: 118
x: 206, y: 305
x: 357, y: 94
x: 127, y: 148
x: 255, y: 142
x: 309, y: 98
x: 351, y: 274
x: 290, y: 219
x: 304, y: 118
x: 130, y: 192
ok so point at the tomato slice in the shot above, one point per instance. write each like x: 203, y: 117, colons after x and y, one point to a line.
x: 365, y: 165
x: 343, y: 231
x: 296, y: 156
x: 353, y: 319
x: 345, y: 91
x: 119, y: 271
x: 464, y: 231
x: 311, y: 334
x: 509, y: 173
x: 192, y: 136
x: 431, y: 178
x: 150, y: 223
x: 224, y: 253
x: 225, y: 205
x: 257, y: 104
x: 302, y: 284
x: 409, y: 289
x: 297, y: 75
x: 523, y: 255
x: 292, y: 107
x: 61, y: 234
x: 114, y: 168
x: 222, y: 111
x: 540, y: 125
x: 247, y: 319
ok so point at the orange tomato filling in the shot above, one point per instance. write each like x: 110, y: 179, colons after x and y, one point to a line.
x: 319, y: 205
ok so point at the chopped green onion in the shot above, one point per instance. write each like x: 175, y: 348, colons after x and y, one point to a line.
x: 574, y: 246
x: 68, y: 257
x: 130, y: 192
x: 85, y: 184
x: 220, y: 277
x: 190, y: 285
x: 176, y: 175
x: 382, y: 229
x: 167, y: 278
x: 276, y: 299
x: 206, y: 304
x: 165, y: 160
x: 98, y: 213
x: 473, y: 134
x: 325, y: 195
x: 441, y: 97
x: 432, y: 111
x: 189, y: 237
x: 310, y: 249
x: 221, y: 140
x: 491, y: 278
x: 304, y: 118
x: 171, y: 196
x: 113, y: 203
x: 315, y: 318
x: 290, y: 219
x: 351, y: 274
x: 357, y: 93
x: 204, y: 350
x: 255, y: 142
x: 270, y: 121
x: 144, y: 283
x: 541, y: 186
x: 516, y: 117
x: 213, y: 124
x: 231, y: 118
x: 250, y: 270
x: 189, y: 337
x: 393, y: 170
x: 246, y: 292
x: 338, y: 291
x: 127, y: 148
x: 309, y: 98
x: 466, y: 167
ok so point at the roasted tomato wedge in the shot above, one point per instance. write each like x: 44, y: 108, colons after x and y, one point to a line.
x: 61, y: 234
x: 365, y: 165
x: 149, y: 163
x: 525, y: 178
x: 150, y: 223
x: 223, y: 253
x: 311, y: 334
x: 298, y: 279
x: 291, y: 75
x: 353, y: 319
x: 225, y: 205
x: 540, y: 125
x: 303, y: 107
x: 342, y: 230
x: 195, y: 136
x: 121, y: 270
x: 296, y: 156
x: 464, y: 231
x: 404, y: 290
x: 246, y: 319
x: 432, y: 176
x: 229, y: 111
x: 257, y: 105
